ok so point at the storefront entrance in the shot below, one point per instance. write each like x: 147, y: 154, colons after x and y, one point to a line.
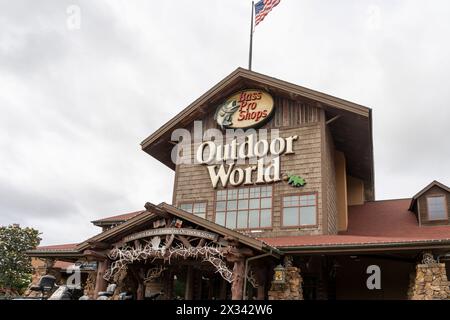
x: 188, y: 281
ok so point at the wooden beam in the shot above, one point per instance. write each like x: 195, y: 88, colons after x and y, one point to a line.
x: 233, y: 254
x: 185, y: 241
x: 95, y: 255
x: 99, y: 245
x: 333, y: 119
x: 156, y: 210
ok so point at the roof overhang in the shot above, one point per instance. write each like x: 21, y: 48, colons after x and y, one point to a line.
x: 368, y: 247
x: 71, y: 255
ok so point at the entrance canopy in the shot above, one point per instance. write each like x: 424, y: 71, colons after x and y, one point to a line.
x: 170, y: 226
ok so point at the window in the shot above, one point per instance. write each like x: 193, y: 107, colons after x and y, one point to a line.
x: 245, y: 208
x: 300, y: 210
x: 437, y: 209
x: 197, y: 208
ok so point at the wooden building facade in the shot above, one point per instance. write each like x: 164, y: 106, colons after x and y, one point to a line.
x: 302, y: 224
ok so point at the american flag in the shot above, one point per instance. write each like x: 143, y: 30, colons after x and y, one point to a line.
x: 262, y: 9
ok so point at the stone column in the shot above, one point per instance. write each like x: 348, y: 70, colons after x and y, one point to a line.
x: 429, y: 282
x: 89, y: 288
x: 291, y: 289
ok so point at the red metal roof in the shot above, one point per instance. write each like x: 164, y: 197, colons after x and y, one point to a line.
x: 375, y: 222
x: 121, y: 217
x: 58, y: 247
x: 378, y: 222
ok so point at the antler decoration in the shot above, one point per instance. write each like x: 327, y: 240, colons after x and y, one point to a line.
x: 251, y: 278
x: 127, y: 255
x: 428, y: 258
x: 154, y: 273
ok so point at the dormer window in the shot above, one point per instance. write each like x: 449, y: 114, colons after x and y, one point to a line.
x: 431, y: 205
x: 437, y: 208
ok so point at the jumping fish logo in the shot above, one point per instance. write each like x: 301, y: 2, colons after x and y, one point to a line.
x: 225, y: 112
x: 245, y: 109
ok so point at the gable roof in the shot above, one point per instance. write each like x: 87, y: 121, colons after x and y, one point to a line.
x: 117, y: 218
x: 153, y: 213
x: 352, y: 133
x: 428, y: 187
x: 241, y: 73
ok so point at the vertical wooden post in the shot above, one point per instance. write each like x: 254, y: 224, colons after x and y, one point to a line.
x: 199, y: 285
x: 140, y: 292
x: 237, y: 286
x: 261, y: 292
x: 223, y: 289
x: 189, y: 293
x: 261, y: 278
x: 168, y: 285
x: 100, y: 283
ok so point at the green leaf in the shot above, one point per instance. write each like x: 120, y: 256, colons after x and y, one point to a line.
x: 296, y: 181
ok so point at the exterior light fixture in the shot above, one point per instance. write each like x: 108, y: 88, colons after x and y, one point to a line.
x: 279, y: 276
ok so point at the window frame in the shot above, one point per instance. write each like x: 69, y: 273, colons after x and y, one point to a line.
x: 437, y: 195
x: 248, y: 229
x: 299, y: 194
x: 192, y: 203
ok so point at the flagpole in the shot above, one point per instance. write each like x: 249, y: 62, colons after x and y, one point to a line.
x: 250, y: 54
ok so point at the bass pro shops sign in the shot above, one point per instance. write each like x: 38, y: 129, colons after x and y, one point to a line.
x: 243, y: 155
x: 257, y: 157
x: 245, y: 109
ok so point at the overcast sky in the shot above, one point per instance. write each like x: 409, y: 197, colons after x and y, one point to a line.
x: 77, y: 99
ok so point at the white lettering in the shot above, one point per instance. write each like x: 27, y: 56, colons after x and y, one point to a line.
x: 221, y: 174
x: 281, y: 146
x: 201, y: 152
x: 248, y: 175
x: 222, y: 159
x: 240, y: 173
x: 265, y: 148
x: 289, y: 144
x: 272, y: 172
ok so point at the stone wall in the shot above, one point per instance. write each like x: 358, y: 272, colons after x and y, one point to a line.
x: 89, y: 287
x: 291, y: 290
x: 429, y: 282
